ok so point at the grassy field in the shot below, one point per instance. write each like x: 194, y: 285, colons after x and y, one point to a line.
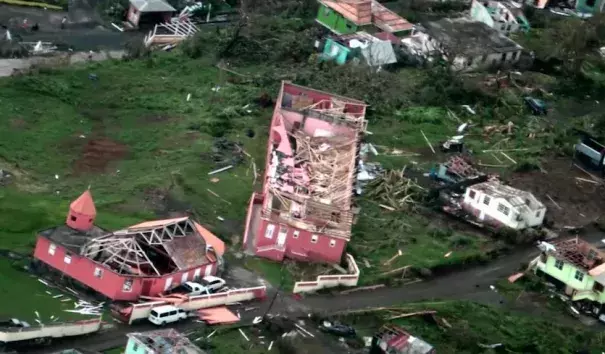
x: 473, y: 325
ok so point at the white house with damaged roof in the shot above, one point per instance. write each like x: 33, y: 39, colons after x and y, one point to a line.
x: 149, y: 12
x: 500, y: 205
x: 469, y: 45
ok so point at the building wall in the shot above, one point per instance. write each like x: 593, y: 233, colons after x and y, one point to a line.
x: 335, y: 51
x: 567, y: 275
x: 134, y: 347
x: 590, y: 6
x: 107, y: 282
x: 493, y: 60
x: 490, y: 210
x: 299, y: 243
x: 335, y: 21
x: 481, y: 14
x: 133, y: 15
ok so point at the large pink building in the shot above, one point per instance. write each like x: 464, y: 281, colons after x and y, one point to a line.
x: 143, y: 259
x: 304, y: 209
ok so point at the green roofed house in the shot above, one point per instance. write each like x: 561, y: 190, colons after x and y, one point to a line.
x: 576, y: 267
x: 350, y: 16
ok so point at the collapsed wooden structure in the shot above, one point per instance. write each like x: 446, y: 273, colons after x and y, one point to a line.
x: 172, y: 32
x: 308, y: 184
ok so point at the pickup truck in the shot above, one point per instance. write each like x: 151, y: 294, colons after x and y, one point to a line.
x: 208, y: 285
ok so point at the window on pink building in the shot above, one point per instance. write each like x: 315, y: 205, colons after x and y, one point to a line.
x: 51, y: 249
x: 314, y: 239
x: 127, y: 287
x: 269, y: 231
x: 332, y: 243
x: 295, y: 234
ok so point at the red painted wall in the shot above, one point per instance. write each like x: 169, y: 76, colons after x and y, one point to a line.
x: 319, y: 251
x: 110, y: 284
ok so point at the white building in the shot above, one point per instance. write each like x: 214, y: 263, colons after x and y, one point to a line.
x: 472, y: 45
x: 494, y: 203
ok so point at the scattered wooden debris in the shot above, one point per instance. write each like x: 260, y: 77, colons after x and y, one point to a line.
x: 393, y: 271
x: 369, y: 287
x: 399, y: 253
x: 513, y: 278
x: 586, y: 180
x: 218, y: 196
x: 419, y: 313
x: 243, y: 335
x: 508, y: 157
x: 555, y: 203
x: 428, y: 142
x: 220, y: 170
x: 396, y: 191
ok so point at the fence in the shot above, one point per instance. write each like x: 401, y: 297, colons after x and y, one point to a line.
x: 142, y: 310
x: 330, y: 281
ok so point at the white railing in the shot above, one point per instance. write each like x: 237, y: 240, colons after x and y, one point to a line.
x: 330, y: 281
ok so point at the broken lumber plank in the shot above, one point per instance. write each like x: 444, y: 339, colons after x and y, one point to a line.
x: 428, y: 142
x: 555, y: 203
x: 220, y: 170
x: 501, y: 150
x: 508, y: 157
x: 395, y: 270
x: 586, y: 180
x: 390, y: 260
x: 430, y: 312
x: 369, y: 287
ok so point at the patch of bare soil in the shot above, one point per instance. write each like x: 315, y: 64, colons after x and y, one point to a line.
x: 578, y: 202
x: 18, y: 123
x: 97, y: 154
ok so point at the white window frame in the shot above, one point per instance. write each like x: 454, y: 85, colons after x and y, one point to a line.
x: 52, y: 248
x: 269, y: 231
x: 332, y: 243
x: 559, y: 263
x: 67, y: 259
x: 295, y: 234
x: 98, y: 272
x: 314, y: 238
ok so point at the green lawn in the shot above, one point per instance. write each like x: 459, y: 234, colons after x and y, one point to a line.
x: 473, y: 324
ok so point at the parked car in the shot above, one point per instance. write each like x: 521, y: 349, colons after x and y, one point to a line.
x: 337, y: 328
x: 537, y: 106
x: 162, y: 315
x: 208, y: 285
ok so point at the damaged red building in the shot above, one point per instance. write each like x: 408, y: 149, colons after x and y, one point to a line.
x: 304, y: 209
x: 143, y: 259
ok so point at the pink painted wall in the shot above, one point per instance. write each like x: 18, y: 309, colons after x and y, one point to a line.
x: 319, y: 251
x: 110, y: 284
x: 82, y: 222
x: 312, y: 124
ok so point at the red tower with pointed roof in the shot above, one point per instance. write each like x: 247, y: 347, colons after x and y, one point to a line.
x: 82, y: 212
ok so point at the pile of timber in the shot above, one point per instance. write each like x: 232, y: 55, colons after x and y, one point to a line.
x: 394, y: 191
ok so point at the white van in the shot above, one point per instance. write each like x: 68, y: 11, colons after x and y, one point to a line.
x: 162, y: 315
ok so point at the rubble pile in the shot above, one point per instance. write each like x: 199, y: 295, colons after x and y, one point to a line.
x: 396, y: 191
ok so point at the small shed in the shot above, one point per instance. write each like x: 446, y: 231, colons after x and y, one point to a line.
x: 146, y: 13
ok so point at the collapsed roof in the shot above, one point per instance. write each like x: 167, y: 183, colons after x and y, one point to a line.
x: 580, y: 254
x: 155, y: 248
x: 522, y: 200
x: 166, y: 341
x: 312, y: 158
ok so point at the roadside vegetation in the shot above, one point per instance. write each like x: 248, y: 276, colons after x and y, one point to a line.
x: 466, y: 327
x: 50, y: 5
